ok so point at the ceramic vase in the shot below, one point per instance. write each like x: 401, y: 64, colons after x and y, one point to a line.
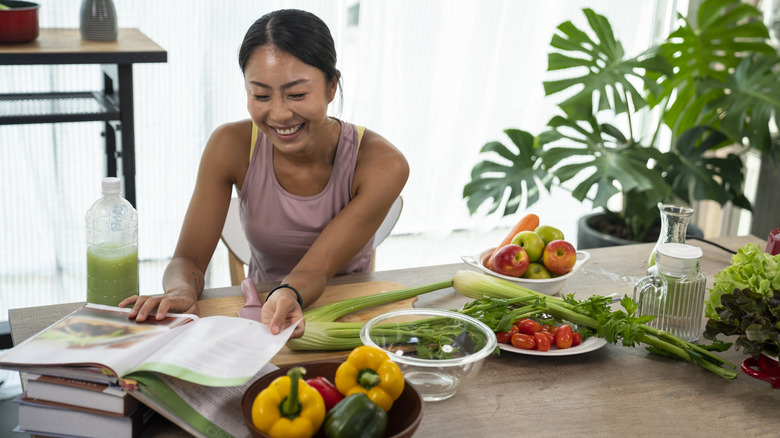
x: 97, y: 21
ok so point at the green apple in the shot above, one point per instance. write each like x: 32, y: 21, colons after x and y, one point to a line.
x: 548, y: 233
x: 532, y: 243
x: 536, y: 271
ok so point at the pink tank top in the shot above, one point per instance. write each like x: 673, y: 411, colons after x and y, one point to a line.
x: 281, y: 226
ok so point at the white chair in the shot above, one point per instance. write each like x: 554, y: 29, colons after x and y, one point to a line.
x: 238, y: 248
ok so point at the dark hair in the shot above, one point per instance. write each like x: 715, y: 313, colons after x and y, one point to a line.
x: 299, y: 33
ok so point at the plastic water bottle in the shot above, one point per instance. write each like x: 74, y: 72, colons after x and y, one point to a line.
x: 112, y: 247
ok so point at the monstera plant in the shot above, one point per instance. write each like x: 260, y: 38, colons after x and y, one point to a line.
x: 709, y: 86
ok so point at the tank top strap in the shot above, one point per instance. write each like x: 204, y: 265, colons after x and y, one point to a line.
x: 360, y: 131
x: 254, y: 140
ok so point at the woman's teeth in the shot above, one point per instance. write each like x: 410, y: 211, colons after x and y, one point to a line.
x: 288, y: 131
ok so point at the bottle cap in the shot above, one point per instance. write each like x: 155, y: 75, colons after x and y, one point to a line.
x: 111, y: 185
x: 678, y: 258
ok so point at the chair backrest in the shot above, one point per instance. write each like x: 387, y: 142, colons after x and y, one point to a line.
x: 239, y: 253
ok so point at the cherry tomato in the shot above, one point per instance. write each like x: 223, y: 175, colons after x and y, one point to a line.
x: 550, y: 337
x: 521, y: 340
x: 564, y: 336
x: 503, y: 337
x: 553, y: 329
x: 513, y: 330
x: 528, y: 326
x: 542, y: 341
x: 576, y: 339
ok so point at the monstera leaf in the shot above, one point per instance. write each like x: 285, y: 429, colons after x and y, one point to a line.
x: 750, y: 97
x: 693, y: 174
x: 603, y: 157
x: 608, y: 76
x: 518, y: 171
x: 703, y: 59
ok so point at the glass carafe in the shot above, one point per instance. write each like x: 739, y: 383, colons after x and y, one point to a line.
x: 673, y: 291
x: 674, y: 225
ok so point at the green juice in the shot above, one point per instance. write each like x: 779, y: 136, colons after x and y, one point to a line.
x: 112, y: 274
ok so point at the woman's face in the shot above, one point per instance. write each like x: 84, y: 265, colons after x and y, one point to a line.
x: 287, y: 99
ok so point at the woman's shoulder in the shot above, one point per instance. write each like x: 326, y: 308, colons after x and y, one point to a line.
x: 233, y: 132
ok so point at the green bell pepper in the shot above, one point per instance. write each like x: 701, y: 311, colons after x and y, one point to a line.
x: 356, y: 416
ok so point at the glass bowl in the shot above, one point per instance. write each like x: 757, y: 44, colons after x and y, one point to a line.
x: 437, y: 350
x: 547, y: 286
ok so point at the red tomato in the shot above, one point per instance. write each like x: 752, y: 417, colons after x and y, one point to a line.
x: 528, y: 326
x: 521, y: 340
x: 564, y: 337
x: 503, y: 337
x: 513, y: 330
x: 550, y: 337
x: 542, y: 341
x: 576, y: 339
x: 553, y: 329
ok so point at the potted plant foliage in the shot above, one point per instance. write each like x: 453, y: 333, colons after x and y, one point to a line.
x: 708, y: 87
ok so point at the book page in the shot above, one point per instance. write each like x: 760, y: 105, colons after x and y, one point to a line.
x: 218, y: 351
x: 99, y: 336
x: 201, y: 410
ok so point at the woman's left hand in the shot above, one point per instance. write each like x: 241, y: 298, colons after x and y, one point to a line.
x: 281, y: 310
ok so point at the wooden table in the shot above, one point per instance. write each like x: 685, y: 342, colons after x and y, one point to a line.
x: 112, y: 105
x: 613, y: 391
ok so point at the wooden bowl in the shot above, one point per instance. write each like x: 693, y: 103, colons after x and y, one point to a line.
x: 20, y: 23
x: 402, y: 419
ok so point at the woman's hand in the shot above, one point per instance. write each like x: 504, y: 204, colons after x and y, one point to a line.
x: 172, y: 302
x: 281, y: 310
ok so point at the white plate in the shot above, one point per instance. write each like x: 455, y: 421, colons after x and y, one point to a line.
x: 590, y: 344
x: 547, y: 286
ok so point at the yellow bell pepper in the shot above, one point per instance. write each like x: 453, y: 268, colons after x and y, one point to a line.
x: 289, y: 408
x: 369, y: 370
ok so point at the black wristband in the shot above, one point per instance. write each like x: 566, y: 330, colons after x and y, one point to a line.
x: 286, y: 286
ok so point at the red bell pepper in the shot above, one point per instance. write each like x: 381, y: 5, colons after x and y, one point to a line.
x: 329, y: 393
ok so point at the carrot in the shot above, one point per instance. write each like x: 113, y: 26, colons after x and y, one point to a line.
x: 528, y: 222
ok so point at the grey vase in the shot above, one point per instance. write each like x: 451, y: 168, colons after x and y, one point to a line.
x: 98, y: 20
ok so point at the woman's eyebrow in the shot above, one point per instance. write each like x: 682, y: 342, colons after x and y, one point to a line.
x: 287, y: 85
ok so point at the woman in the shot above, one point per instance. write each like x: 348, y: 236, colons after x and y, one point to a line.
x: 313, y: 189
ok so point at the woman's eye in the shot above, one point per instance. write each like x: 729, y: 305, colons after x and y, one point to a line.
x: 261, y: 98
x: 297, y: 96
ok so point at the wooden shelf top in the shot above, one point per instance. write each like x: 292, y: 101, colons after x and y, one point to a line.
x: 65, y: 46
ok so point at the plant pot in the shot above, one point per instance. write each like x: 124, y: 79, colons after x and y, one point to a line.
x: 20, y: 23
x: 589, y: 236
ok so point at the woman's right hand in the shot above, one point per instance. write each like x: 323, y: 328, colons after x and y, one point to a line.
x: 174, y: 302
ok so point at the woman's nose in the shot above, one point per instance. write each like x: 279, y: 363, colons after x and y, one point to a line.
x: 280, y: 111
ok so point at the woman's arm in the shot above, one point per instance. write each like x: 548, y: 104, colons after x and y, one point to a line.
x: 380, y: 175
x: 224, y: 162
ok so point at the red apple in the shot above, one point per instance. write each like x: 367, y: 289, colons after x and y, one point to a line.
x: 559, y: 257
x: 511, y: 260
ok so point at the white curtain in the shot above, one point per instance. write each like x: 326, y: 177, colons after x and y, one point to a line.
x: 438, y: 78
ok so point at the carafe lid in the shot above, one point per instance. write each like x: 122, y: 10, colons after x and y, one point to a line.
x: 678, y: 258
x: 111, y: 185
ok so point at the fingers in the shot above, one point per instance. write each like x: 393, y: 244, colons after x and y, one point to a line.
x: 280, y: 311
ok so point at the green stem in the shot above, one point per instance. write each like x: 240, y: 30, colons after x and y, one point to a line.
x: 291, y: 407
x: 333, y: 311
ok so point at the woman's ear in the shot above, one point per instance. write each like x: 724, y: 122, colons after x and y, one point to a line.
x: 333, y: 85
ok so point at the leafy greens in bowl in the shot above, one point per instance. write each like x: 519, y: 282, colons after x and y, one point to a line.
x: 745, y: 302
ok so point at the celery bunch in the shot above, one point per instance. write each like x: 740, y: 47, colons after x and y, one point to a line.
x: 625, y: 326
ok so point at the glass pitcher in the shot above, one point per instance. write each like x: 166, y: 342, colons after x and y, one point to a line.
x: 673, y: 291
x: 674, y: 225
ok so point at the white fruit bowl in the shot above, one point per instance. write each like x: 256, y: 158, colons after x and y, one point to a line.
x: 547, y: 286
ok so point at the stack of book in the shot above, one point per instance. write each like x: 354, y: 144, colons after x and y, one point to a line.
x: 97, y: 373
x: 56, y: 406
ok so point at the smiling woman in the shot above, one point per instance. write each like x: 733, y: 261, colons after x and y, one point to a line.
x: 313, y: 189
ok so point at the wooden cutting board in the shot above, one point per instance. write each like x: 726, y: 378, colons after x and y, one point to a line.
x: 229, y: 306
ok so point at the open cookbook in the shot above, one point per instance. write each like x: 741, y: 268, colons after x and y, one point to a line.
x: 191, y: 370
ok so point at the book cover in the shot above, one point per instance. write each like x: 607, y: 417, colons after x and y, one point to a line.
x: 100, y: 396
x: 36, y: 418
